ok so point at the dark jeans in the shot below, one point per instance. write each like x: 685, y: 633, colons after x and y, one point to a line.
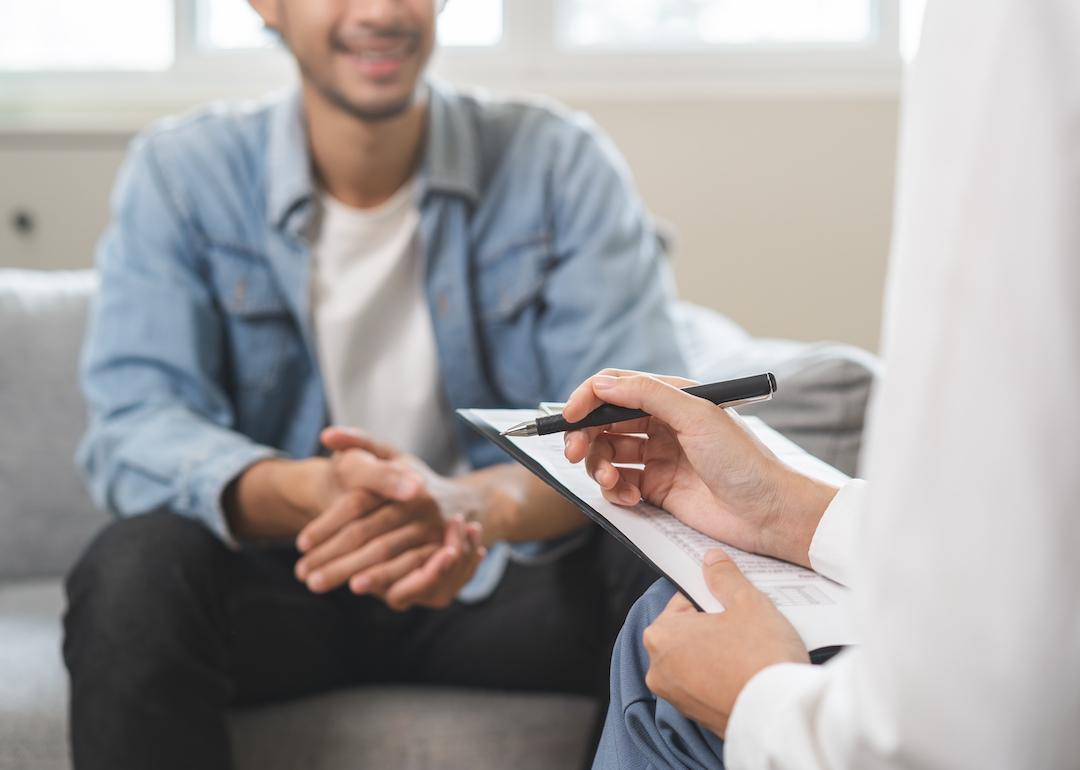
x: 167, y: 628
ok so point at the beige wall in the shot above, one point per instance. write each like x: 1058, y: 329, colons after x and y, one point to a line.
x: 781, y: 208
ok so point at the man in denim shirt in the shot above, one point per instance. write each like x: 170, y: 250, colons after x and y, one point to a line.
x: 371, y: 251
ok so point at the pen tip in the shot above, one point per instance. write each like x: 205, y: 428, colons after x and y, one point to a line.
x: 521, y: 429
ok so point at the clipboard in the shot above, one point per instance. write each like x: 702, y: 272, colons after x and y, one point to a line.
x: 816, y: 606
x: 485, y: 429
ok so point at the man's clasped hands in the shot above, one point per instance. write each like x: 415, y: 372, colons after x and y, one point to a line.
x: 389, y: 526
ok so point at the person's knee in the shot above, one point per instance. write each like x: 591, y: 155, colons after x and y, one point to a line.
x: 135, y: 576
x: 629, y: 660
x: 649, y: 606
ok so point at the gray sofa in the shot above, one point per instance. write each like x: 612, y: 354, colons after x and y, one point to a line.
x: 46, y: 519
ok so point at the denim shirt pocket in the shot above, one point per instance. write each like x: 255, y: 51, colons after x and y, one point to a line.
x: 511, y: 278
x: 263, y: 340
x: 510, y: 291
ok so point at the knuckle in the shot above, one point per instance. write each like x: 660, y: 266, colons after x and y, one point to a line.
x: 380, y: 584
x: 652, y: 679
x: 355, y: 533
x: 647, y: 383
x: 356, y: 502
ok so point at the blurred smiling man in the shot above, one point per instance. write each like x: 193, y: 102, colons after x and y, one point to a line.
x: 295, y: 295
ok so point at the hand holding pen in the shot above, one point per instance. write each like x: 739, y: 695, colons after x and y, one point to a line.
x: 700, y: 463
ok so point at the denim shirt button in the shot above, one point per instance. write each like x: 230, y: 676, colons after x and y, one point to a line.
x: 239, y: 293
x: 443, y: 303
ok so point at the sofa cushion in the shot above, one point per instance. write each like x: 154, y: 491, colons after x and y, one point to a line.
x: 823, y: 387
x: 46, y: 516
x: 404, y: 728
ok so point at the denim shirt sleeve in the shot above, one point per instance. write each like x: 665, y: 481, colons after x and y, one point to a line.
x: 152, y: 367
x: 609, y: 295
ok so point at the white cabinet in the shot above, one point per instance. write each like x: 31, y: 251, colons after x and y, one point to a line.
x: 54, y: 197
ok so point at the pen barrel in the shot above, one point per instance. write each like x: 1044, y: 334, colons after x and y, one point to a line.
x: 759, y: 387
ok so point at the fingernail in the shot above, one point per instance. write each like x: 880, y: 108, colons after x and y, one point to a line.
x: 603, y: 382
x: 303, y: 543
x: 360, y: 585
x: 315, y: 582
x: 629, y: 498
x: 300, y: 571
x: 715, y: 556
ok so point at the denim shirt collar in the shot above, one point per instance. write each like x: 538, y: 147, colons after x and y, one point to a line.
x: 450, y: 162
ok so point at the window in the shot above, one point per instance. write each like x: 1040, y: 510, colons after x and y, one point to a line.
x: 232, y: 24
x: 113, y: 58
x: 695, y: 23
x: 60, y: 35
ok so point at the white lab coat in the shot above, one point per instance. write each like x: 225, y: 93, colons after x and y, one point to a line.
x: 964, y: 551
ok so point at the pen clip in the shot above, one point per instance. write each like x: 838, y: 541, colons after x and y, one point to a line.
x: 745, y: 401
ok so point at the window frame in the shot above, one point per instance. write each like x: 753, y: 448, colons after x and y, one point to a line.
x: 529, y: 57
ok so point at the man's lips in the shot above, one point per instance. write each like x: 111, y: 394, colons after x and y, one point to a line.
x: 378, y: 59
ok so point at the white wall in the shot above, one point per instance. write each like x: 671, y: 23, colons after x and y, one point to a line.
x: 781, y: 207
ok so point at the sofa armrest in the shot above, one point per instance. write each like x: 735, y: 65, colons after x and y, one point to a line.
x: 46, y: 517
x: 824, y: 387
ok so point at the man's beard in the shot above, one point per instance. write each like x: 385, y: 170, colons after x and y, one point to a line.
x: 363, y: 112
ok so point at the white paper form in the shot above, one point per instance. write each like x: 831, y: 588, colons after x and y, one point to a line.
x: 815, y: 605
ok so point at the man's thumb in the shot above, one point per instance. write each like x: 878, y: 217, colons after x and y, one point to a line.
x: 340, y: 439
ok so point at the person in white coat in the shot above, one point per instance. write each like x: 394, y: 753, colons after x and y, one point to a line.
x: 963, y: 545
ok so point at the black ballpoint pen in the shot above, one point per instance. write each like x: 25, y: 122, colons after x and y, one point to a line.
x: 745, y: 390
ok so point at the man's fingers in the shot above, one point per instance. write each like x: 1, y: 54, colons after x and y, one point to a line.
x: 338, y: 438
x: 380, y: 550
x: 661, y: 399
x: 360, y: 469
x: 351, y: 537
x: 476, y: 535
x: 425, y: 582
x: 438, y: 582
x: 344, y: 509
x: 378, y: 579
x: 726, y: 582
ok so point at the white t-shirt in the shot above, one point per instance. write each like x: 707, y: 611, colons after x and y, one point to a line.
x: 373, y: 329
